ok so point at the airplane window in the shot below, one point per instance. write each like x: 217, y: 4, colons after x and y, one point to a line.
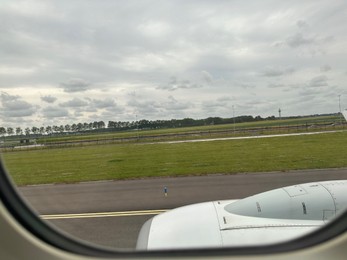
x: 150, y: 125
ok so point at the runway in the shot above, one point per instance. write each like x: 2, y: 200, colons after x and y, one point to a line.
x: 111, y: 213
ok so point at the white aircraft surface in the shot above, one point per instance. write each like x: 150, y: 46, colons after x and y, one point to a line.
x: 271, y: 217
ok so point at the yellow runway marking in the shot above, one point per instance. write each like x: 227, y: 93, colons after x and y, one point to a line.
x: 104, y: 214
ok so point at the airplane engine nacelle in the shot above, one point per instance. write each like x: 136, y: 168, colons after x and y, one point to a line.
x: 311, y: 201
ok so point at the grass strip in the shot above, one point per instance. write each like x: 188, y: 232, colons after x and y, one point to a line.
x: 127, y: 161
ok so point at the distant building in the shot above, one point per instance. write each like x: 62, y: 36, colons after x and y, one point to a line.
x: 24, y: 141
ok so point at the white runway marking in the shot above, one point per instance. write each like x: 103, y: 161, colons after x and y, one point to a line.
x: 104, y: 214
x: 244, y: 137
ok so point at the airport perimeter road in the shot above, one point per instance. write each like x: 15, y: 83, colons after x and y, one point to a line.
x: 114, y: 211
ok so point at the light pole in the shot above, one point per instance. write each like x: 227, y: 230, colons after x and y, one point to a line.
x: 137, y: 128
x: 340, y: 108
x: 279, y: 113
x: 234, y: 118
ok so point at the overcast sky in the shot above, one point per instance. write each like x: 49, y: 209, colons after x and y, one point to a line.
x: 80, y: 61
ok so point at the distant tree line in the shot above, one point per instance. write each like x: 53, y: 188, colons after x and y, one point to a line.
x: 186, y: 122
x: 79, y: 127
x: 125, y: 125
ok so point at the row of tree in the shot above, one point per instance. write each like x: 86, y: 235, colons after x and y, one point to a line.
x: 80, y: 127
x: 186, y: 122
x: 126, y: 125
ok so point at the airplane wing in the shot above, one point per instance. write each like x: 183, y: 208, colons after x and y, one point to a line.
x: 266, y: 218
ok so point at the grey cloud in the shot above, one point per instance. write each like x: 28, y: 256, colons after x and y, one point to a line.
x: 154, y: 108
x: 12, y: 106
x: 173, y: 104
x: 246, y: 85
x: 225, y: 99
x: 90, y: 109
x: 108, y: 104
x: 104, y: 103
x: 75, y: 85
x: 18, y: 109
x: 308, y: 95
x: 175, y: 84
x: 256, y: 102
x: 298, y: 40
x: 5, y: 97
x: 301, y: 24
x: 77, y: 47
x: 144, y: 107
x: 325, y: 68
x: 318, y: 81
x: 275, y: 85
x: 207, y: 77
x: 295, y: 86
x: 113, y: 109
x: 212, y: 104
x: 78, y: 114
x: 16, y: 105
x: 75, y: 102
x: 48, y: 99
x: 53, y: 112
x: 277, y: 44
x: 219, y: 106
x: 327, y: 39
x: 276, y: 71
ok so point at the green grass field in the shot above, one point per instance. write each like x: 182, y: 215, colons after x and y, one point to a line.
x: 127, y: 161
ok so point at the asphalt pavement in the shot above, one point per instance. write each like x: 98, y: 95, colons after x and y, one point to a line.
x: 96, y: 199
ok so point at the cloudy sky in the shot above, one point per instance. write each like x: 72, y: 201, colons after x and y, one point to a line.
x: 80, y: 61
